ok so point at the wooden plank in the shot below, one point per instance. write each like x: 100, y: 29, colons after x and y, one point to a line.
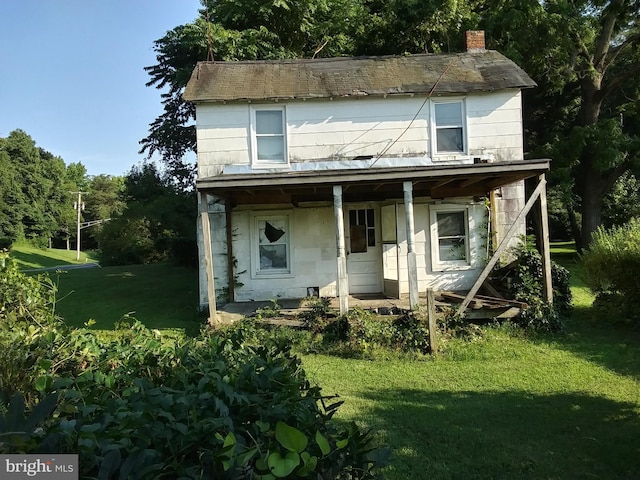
x: 503, y: 314
x: 503, y: 245
x: 545, y: 248
x: 431, y: 317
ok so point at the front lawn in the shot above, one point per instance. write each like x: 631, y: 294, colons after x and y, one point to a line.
x: 506, y: 406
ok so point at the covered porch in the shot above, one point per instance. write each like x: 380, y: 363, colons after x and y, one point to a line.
x: 401, y: 184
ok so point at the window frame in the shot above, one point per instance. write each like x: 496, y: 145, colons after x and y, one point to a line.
x: 463, y: 126
x: 254, y: 137
x: 256, y: 271
x: 437, y: 264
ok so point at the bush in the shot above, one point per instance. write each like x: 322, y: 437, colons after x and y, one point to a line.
x: 611, y: 265
x: 138, y: 405
x: 526, y: 286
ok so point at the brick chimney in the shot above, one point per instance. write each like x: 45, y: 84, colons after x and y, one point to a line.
x: 474, y: 41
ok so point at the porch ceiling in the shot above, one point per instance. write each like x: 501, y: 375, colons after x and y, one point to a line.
x: 372, y: 184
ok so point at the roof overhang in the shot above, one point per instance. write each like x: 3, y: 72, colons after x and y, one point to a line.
x: 437, y: 181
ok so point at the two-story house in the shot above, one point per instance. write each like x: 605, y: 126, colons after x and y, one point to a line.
x: 346, y: 176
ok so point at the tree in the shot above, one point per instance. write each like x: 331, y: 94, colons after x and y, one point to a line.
x: 584, y: 56
x: 157, y: 223
x: 103, y: 201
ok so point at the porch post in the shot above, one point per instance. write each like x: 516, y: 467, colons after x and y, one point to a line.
x: 343, y: 283
x: 208, y: 258
x: 547, y: 293
x: 411, y: 242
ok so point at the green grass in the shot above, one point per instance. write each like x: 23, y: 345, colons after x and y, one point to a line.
x: 507, y: 406
x: 160, y: 296
x: 28, y: 257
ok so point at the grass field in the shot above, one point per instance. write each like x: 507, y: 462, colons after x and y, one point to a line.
x: 506, y: 406
x: 160, y: 296
x: 28, y: 257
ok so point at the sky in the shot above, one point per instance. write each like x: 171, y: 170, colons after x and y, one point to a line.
x: 72, y: 75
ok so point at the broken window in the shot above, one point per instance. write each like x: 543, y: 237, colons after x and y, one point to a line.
x: 273, y: 244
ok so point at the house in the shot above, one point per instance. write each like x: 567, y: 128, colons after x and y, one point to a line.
x: 347, y: 176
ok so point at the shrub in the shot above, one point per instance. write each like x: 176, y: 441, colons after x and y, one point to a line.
x: 137, y: 405
x: 611, y: 265
x: 526, y: 286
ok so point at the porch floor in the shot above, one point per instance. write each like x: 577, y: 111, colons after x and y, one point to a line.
x: 238, y: 310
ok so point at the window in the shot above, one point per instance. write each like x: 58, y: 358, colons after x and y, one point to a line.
x: 449, y: 237
x: 272, y: 245
x: 362, y: 229
x: 269, y: 136
x: 449, y: 136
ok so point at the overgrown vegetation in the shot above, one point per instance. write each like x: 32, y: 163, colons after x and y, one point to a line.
x: 523, y: 283
x: 136, y: 404
x: 611, y: 266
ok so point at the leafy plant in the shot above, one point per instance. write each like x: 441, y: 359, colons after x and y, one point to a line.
x: 611, y: 265
x: 138, y: 404
x: 526, y: 286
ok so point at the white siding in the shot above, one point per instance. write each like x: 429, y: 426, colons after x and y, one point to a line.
x: 342, y: 129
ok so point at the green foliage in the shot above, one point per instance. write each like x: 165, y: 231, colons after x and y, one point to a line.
x: 610, y: 265
x: 157, y: 224
x: 137, y: 404
x: 24, y: 298
x: 361, y: 334
x: 526, y: 286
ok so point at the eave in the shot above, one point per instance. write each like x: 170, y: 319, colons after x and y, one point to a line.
x: 372, y: 184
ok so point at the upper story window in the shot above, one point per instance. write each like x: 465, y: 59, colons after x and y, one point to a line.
x: 449, y: 127
x: 269, y: 142
x: 449, y: 237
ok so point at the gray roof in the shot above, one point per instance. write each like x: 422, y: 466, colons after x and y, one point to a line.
x: 459, y: 73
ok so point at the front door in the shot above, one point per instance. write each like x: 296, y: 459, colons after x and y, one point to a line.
x: 364, y: 249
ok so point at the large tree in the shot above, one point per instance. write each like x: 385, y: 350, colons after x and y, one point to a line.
x: 585, y: 57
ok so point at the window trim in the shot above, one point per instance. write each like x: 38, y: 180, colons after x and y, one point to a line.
x: 256, y: 218
x: 254, y: 137
x: 438, y: 265
x: 434, y: 128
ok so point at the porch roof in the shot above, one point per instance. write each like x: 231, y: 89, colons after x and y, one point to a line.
x: 371, y: 184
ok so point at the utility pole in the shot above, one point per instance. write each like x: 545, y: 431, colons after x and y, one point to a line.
x: 79, y: 206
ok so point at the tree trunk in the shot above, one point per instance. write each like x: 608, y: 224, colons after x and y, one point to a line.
x: 591, y: 202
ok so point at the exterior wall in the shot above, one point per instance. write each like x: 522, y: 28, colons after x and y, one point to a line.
x: 313, y: 247
x: 313, y: 255
x: 334, y: 130
x: 452, y: 279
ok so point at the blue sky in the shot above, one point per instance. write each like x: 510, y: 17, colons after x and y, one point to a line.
x: 71, y: 75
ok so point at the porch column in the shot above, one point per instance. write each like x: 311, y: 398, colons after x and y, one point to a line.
x: 544, y: 247
x: 343, y: 283
x: 411, y: 242
x: 208, y: 258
